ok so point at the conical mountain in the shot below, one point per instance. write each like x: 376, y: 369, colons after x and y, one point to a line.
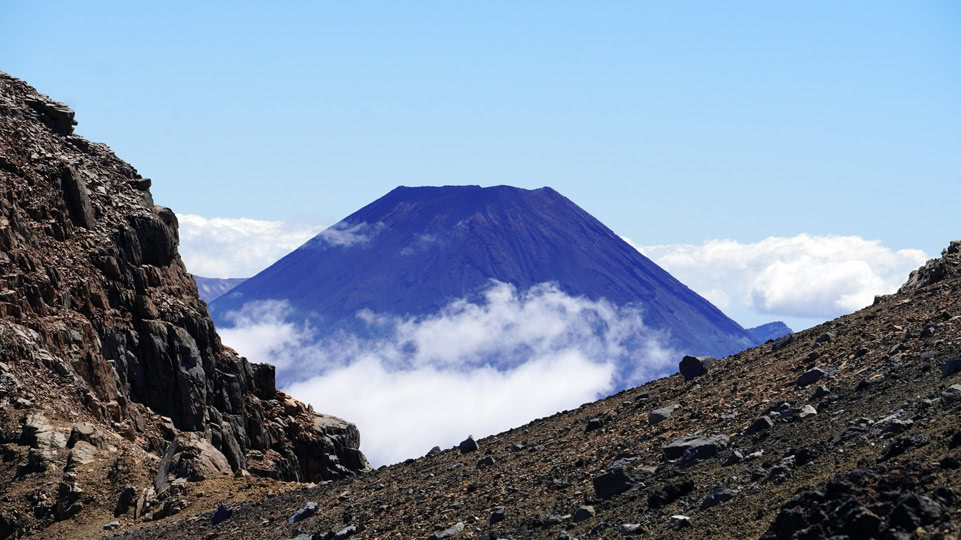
x: 416, y: 249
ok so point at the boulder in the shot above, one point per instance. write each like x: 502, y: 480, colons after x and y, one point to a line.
x: 583, y: 513
x: 346, y: 532
x: 657, y: 416
x: 810, y: 377
x: 595, y: 423
x: 912, y: 511
x: 806, y: 411
x: 718, y: 496
x: 126, y: 501
x: 82, y: 453
x: 782, y: 342
x: 39, y: 432
x: 694, y: 366
x: 198, y: 459
x: 84, y: 431
x: 951, y: 394
x: 449, y: 532
x: 951, y: 367
x: 703, y: 447
x: 670, y: 492
x: 468, y: 445
x: 305, y: 512
x: 328, y: 448
x: 612, y: 482
x: 761, y: 424
x: 497, y: 515
x: 222, y: 514
x: 820, y: 392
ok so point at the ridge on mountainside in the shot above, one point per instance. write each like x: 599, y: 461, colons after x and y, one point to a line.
x: 114, y: 386
x: 416, y: 249
x: 848, y: 430
x: 212, y: 288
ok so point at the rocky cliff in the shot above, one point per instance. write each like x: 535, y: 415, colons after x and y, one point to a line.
x: 106, y: 351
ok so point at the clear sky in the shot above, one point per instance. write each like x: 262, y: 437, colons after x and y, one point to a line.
x: 671, y: 122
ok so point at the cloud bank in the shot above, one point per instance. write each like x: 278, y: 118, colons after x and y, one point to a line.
x: 241, y: 247
x: 471, y: 368
x: 802, y: 276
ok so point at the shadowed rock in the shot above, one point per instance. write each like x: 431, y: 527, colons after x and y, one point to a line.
x: 695, y: 366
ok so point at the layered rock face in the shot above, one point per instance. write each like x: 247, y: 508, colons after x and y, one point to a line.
x: 99, y: 318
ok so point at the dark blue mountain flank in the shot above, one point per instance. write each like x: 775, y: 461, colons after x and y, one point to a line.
x: 769, y: 331
x: 212, y: 288
x: 415, y: 249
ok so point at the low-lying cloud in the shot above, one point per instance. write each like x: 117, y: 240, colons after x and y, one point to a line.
x: 802, y: 276
x: 237, y: 247
x: 471, y: 368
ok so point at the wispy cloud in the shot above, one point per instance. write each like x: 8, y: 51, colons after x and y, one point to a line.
x: 237, y: 247
x: 422, y: 243
x: 346, y: 235
x: 472, y: 367
x: 800, y: 276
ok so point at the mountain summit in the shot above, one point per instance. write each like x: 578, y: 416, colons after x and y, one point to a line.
x: 416, y: 249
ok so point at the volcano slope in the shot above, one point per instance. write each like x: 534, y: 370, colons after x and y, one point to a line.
x: 117, y: 398
x: 846, y: 430
x: 415, y: 250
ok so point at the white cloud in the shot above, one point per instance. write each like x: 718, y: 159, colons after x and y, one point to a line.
x: 422, y: 243
x: 237, y: 247
x: 471, y: 368
x: 346, y: 235
x: 403, y: 413
x: 262, y: 333
x: 802, y: 276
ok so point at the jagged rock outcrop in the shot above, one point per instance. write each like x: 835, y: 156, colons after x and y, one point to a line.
x: 935, y: 269
x: 99, y: 320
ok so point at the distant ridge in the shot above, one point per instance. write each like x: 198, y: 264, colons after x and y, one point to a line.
x: 771, y: 330
x: 212, y: 288
x: 417, y: 248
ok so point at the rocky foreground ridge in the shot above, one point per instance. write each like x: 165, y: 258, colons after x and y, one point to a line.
x: 113, y: 381
x: 848, y: 430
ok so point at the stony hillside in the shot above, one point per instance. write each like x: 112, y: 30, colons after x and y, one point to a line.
x: 117, y: 397
x: 846, y: 430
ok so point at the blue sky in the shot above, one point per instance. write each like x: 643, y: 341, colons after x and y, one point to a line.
x: 674, y: 124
